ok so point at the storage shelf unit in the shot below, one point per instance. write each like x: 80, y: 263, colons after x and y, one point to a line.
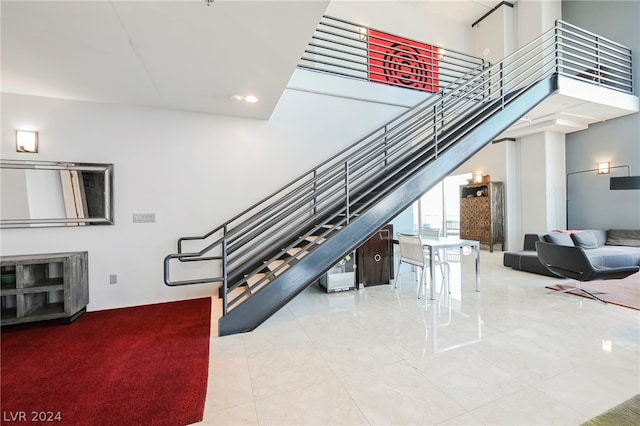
x: 482, y: 213
x: 43, y: 287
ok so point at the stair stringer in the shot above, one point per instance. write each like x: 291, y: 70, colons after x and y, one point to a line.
x: 268, y: 300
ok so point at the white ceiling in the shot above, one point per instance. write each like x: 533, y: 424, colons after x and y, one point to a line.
x: 467, y: 11
x: 185, y: 54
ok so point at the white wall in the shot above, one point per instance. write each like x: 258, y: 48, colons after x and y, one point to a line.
x: 194, y: 171
x: 532, y: 168
x: 513, y: 197
x: 408, y: 19
x: 493, y: 36
x: 555, y: 148
x: 535, y: 17
x: 542, y: 188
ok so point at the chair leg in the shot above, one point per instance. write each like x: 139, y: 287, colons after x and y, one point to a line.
x: 421, y: 281
x: 398, y: 277
x: 578, y: 288
x: 446, y: 276
x: 439, y: 260
x: 395, y: 282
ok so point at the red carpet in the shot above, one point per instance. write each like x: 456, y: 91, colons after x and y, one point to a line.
x: 625, y: 292
x: 144, y: 365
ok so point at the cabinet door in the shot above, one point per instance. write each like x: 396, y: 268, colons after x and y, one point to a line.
x: 375, y: 258
x: 475, y: 218
x: 76, y: 280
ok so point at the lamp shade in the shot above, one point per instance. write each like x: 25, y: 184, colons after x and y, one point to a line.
x: 26, y: 141
x: 624, y: 182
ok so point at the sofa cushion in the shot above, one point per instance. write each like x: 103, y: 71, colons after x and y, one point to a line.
x: 623, y: 237
x: 585, y: 239
x: 525, y: 260
x: 614, y: 256
x: 560, y: 238
x: 600, y: 234
x: 530, y: 241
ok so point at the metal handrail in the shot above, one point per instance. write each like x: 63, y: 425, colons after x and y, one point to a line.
x: 331, y: 195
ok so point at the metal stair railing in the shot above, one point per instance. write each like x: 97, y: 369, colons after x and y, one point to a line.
x: 333, y: 194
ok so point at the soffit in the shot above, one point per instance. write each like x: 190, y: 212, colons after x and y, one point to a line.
x: 573, y: 107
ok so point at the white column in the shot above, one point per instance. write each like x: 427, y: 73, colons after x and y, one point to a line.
x: 542, y: 182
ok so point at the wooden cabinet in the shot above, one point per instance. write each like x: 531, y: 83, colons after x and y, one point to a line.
x: 374, y: 259
x: 482, y: 213
x: 43, y: 287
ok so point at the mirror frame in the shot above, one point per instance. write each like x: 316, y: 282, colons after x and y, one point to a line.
x: 105, y: 169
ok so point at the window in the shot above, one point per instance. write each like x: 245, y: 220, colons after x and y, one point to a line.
x: 440, y: 207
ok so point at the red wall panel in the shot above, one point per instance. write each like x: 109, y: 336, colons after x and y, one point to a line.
x: 402, y: 62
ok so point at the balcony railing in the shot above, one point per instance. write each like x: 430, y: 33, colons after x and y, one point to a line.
x: 350, y: 50
x: 346, y: 49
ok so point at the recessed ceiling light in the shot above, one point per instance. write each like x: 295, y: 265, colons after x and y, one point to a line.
x: 249, y: 98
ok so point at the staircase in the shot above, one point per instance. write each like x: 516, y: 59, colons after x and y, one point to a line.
x: 271, y: 252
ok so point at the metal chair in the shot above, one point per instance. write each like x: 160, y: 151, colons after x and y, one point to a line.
x: 572, y: 262
x: 430, y: 232
x: 434, y: 233
x: 412, y: 252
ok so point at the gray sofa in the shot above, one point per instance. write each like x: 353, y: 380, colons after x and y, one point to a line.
x: 610, y: 248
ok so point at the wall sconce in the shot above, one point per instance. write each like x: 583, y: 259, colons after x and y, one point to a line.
x: 27, y: 141
x: 604, y: 168
x: 362, y: 34
x: 478, y: 177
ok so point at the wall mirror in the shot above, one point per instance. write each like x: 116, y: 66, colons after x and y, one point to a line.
x: 47, y: 193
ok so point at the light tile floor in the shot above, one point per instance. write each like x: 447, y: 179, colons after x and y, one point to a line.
x: 513, y: 354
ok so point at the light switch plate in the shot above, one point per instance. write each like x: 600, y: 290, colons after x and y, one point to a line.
x: 144, y: 217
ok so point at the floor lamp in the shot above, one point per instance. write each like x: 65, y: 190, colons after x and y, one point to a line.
x: 602, y: 169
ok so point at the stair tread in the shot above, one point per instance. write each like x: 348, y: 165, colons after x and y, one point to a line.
x: 330, y: 226
x: 237, y: 292
x: 259, y: 286
x: 255, y: 278
x: 316, y: 239
x: 275, y: 264
x: 295, y: 252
